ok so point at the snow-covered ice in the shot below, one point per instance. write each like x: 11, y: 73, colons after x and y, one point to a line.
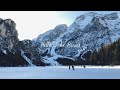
x: 60, y: 72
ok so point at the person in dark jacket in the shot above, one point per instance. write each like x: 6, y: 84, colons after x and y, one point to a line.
x: 73, y: 67
x: 69, y: 67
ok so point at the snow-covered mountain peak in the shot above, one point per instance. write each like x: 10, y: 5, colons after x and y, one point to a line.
x: 51, y: 35
x: 83, y: 20
x: 111, y: 16
x: 61, y: 26
x: 107, y: 20
x: 82, y: 17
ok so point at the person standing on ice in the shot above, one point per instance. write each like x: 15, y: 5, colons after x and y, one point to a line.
x: 69, y: 67
x: 84, y: 66
x: 73, y: 67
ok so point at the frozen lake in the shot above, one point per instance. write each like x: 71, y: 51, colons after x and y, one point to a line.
x: 60, y: 72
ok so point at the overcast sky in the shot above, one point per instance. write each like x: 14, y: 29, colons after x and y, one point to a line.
x: 30, y: 24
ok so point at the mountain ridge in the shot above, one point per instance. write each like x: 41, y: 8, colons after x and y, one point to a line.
x: 90, y: 31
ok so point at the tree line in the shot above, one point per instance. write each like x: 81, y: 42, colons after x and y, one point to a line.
x: 106, y: 55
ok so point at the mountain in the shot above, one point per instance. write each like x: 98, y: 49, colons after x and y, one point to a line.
x: 88, y: 32
x: 43, y: 41
x: 14, y: 52
x: 8, y: 40
x: 11, y: 54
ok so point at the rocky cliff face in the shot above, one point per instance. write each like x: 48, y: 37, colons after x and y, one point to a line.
x: 8, y: 41
x: 8, y: 34
x: 14, y: 52
x: 29, y: 52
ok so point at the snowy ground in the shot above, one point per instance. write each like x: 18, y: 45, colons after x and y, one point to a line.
x: 60, y: 72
